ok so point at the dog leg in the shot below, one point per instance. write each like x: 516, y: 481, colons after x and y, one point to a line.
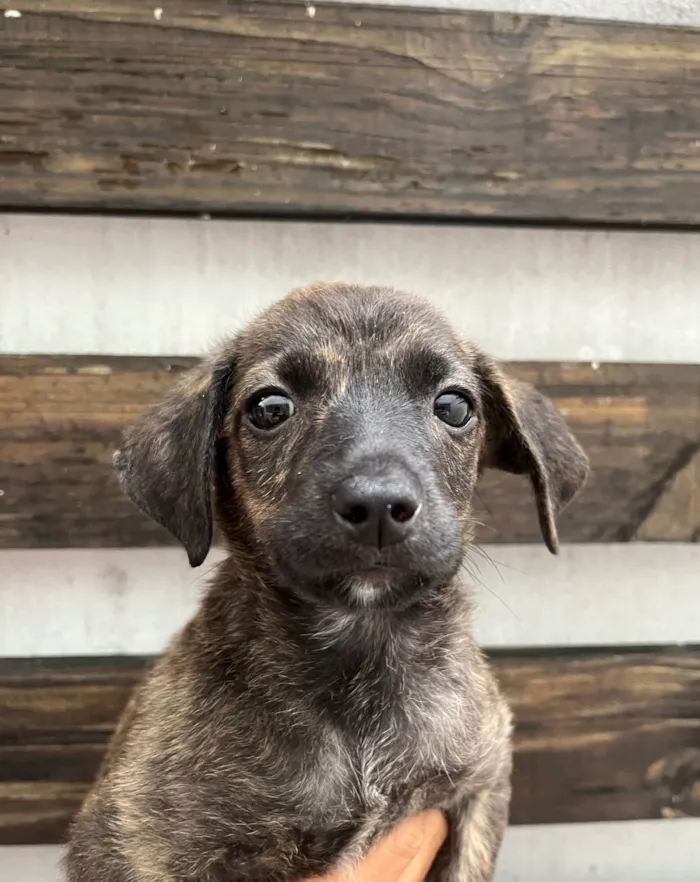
x: 477, y: 824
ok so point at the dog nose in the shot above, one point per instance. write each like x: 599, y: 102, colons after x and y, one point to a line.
x: 377, y: 510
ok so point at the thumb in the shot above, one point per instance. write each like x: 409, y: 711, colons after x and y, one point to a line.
x: 404, y: 855
x: 411, y: 849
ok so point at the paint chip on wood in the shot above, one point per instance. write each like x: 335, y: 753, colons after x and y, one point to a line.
x: 311, y: 11
x: 158, y: 13
x: 12, y: 13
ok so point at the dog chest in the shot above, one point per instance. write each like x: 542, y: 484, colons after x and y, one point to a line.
x: 378, y: 766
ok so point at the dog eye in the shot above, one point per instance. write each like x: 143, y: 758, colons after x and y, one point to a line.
x: 270, y: 410
x: 453, y: 408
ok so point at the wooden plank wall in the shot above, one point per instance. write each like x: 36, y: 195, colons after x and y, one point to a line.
x: 61, y: 419
x: 64, y: 710
x: 417, y: 116
x: 608, y: 710
x: 263, y: 106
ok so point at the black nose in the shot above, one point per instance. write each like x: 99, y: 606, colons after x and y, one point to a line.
x: 377, y: 510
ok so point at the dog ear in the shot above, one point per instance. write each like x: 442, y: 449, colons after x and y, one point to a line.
x: 167, y: 459
x: 526, y: 435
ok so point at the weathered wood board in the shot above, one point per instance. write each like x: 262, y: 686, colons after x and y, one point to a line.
x: 280, y: 108
x: 61, y: 419
x: 601, y: 735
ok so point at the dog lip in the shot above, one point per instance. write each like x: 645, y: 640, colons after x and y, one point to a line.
x: 376, y: 575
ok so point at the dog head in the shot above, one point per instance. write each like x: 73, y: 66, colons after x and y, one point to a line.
x: 339, y: 439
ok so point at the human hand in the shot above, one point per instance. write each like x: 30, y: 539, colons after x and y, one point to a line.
x: 404, y: 855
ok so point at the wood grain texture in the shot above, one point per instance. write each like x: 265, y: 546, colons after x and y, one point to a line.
x: 601, y: 735
x: 604, y: 735
x: 61, y: 419
x: 268, y: 108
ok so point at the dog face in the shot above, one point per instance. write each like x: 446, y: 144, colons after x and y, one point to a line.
x: 341, y: 436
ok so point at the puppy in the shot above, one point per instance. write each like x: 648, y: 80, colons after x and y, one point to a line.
x: 329, y: 684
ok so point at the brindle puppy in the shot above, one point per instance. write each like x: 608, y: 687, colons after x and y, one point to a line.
x: 329, y: 683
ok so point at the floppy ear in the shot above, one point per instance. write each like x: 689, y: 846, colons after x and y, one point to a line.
x: 167, y: 459
x: 526, y: 435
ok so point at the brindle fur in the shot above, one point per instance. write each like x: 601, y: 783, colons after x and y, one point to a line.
x: 296, y: 718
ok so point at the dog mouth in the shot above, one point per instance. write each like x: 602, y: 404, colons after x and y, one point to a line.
x: 366, y: 585
x: 377, y: 575
x: 379, y: 586
x: 373, y: 579
x: 320, y: 564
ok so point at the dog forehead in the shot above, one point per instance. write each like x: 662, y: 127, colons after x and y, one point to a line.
x: 330, y: 318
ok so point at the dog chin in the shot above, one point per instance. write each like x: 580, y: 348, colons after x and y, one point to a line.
x: 369, y: 589
x: 382, y: 588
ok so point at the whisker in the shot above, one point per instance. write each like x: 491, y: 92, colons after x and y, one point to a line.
x: 469, y: 565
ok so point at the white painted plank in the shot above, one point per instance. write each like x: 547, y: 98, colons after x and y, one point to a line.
x: 131, y: 601
x: 589, y: 595
x: 171, y: 286
x: 94, y: 602
x: 633, y: 851
x: 661, y: 12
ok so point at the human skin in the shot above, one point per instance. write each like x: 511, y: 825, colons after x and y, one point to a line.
x: 405, y: 855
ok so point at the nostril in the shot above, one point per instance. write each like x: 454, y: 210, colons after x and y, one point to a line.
x: 402, y: 512
x: 376, y: 510
x: 355, y: 514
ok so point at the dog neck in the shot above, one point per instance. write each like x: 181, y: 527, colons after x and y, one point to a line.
x: 359, y: 662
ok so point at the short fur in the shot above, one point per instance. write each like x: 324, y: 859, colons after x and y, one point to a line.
x: 323, y: 690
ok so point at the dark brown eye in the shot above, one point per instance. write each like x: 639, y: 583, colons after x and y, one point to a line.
x: 269, y: 410
x: 453, y: 408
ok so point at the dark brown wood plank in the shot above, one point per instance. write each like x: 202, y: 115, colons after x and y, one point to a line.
x: 601, y: 735
x: 56, y: 716
x: 640, y: 425
x: 604, y: 735
x: 61, y: 418
x: 260, y: 107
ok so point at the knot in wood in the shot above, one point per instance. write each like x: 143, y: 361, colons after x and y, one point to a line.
x: 675, y: 782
